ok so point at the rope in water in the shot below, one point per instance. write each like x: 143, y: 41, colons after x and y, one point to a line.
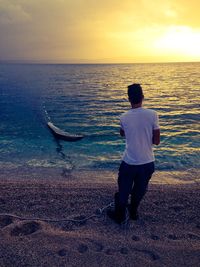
x: 98, y: 214
x: 47, y: 117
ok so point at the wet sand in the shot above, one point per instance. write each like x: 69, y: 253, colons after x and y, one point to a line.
x: 166, y: 234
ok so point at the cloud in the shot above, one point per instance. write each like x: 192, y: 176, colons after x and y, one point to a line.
x: 12, y: 12
x: 78, y: 29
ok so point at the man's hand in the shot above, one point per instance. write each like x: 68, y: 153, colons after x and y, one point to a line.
x: 156, y: 137
x: 122, y: 133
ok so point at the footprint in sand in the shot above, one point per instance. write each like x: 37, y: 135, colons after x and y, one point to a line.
x: 25, y: 229
x: 135, y: 238
x: 82, y: 248
x: 4, y: 221
x: 149, y: 253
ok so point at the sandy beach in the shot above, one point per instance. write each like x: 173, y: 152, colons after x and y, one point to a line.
x: 166, y: 234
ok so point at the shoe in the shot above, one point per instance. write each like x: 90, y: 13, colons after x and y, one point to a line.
x: 134, y: 216
x: 133, y: 213
x: 117, y: 217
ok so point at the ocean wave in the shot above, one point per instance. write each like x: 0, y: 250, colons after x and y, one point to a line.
x: 89, y: 100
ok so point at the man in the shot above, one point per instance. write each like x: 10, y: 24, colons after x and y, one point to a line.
x: 141, y: 130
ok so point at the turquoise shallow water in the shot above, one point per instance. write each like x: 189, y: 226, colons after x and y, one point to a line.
x: 89, y: 99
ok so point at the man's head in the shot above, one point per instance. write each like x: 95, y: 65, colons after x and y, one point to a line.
x: 135, y: 93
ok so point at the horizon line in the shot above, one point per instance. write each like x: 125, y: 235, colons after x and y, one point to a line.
x: 49, y: 62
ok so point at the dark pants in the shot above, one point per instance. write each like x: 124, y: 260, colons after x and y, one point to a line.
x: 133, y: 179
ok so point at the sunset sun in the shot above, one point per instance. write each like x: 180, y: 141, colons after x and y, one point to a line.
x: 180, y: 41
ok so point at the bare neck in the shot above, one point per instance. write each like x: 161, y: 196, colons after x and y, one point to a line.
x: 139, y: 105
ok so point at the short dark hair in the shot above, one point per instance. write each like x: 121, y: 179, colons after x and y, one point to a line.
x: 135, y: 93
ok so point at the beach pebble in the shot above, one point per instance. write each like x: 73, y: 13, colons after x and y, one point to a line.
x: 198, y: 225
x: 110, y: 251
x: 62, y: 252
x: 177, y: 208
x: 96, y: 246
x: 124, y: 251
x: 135, y: 238
x: 82, y: 248
x: 172, y: 237
x: 155, y: 237
x: 2, y: 201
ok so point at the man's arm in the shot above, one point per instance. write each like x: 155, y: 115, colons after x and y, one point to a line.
x: 156, y: 137
x: 122, y: 133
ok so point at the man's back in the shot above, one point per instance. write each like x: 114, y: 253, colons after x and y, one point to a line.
x: 141, y: 130
x: 138, y: 125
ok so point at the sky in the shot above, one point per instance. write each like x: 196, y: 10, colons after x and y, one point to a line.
x: 100, y: 31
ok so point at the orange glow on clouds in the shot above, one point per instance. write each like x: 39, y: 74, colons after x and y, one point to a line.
x: 106, y: 31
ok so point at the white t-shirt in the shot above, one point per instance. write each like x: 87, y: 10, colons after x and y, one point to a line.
x: 138, y: 125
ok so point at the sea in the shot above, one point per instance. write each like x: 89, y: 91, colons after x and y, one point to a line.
x: 88, y: 99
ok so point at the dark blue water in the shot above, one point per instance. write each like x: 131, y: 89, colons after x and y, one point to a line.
x: 89, y: 99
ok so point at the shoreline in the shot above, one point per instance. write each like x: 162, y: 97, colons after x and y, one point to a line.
x: 166, y: 234
x: 176, y: 177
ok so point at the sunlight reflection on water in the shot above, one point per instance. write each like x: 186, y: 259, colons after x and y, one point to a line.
x: 89, y: 99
